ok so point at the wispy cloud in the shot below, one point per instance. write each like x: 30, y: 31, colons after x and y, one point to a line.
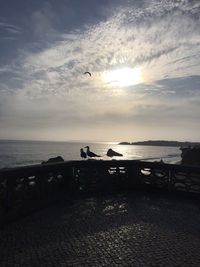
x: 162, y: 37
x: 10, y: 27
x: 117, y: 42
x: 9, y: 31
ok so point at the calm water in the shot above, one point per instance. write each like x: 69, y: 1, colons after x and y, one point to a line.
x: 20, y: 153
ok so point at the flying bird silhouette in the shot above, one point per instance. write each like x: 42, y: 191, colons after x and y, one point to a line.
x: 90, y: 153
x: 87, y: 72
x: 83, y: 154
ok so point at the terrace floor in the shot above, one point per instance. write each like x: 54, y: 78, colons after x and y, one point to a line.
x: 112, y: 230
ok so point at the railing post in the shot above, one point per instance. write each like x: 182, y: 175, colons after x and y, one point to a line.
x: 134, y: 177
x: 70, y: 183
x: 170, y: 173
x: 10, y: 194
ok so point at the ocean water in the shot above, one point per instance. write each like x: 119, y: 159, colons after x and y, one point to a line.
x: 23, y: 153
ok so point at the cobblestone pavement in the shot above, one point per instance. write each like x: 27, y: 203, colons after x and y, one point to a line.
x: 111, y: 230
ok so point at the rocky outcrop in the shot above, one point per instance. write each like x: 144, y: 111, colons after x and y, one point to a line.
x: 190, y: 156
x: 53, y: 160
x: 112, y: 153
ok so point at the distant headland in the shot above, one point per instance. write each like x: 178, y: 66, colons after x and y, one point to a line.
x: 162, y: 143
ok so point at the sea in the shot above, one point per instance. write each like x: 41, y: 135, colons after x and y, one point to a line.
x: 23, y: 153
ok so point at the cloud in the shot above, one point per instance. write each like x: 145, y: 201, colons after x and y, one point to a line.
x: 51, y: 92
x: 42, y: 24
x: 9, y: 31
x: 183, y: 86
x: 10, y: 27
x: 115, y: 42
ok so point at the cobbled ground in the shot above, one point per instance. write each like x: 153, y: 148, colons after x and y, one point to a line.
x: 111, y: 230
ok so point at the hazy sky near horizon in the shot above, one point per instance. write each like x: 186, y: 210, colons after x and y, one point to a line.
x: 46, y: 46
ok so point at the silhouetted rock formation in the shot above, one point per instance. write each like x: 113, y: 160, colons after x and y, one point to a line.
x: 52, y: 160
x: 112, y: 153
x: 190, y: 155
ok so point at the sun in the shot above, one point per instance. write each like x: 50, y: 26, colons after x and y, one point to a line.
x: 123, y: 77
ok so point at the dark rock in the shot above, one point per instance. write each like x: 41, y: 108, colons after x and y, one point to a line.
x: 53, y: 160
x: 112, y: 153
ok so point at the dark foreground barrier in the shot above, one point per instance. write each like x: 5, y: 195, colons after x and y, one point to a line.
x: 25, y: 189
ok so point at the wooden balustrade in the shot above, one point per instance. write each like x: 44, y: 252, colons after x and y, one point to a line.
x: 25, y: 189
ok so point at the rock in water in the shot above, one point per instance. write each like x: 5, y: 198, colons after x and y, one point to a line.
x: 112, y: 153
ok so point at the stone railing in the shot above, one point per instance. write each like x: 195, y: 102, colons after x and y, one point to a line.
x: 25, y: 189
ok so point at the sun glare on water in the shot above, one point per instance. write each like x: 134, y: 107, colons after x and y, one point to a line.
x: 123, y: 77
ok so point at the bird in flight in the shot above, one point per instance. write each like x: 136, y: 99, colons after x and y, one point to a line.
x: 90, y: 153
x: 87, y: 72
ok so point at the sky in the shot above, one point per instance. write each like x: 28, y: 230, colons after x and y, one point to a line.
x: 144, y: 60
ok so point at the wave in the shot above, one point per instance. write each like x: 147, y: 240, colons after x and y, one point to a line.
x: 173, y: 155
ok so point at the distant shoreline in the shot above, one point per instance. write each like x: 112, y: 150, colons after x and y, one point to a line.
x: 161, y: 143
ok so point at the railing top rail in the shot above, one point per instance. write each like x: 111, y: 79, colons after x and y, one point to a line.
x: 97, y: 163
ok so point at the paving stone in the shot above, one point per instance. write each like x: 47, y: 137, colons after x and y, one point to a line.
x: 109, y: 230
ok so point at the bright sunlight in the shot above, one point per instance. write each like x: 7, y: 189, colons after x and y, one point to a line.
x: 123, y: 77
